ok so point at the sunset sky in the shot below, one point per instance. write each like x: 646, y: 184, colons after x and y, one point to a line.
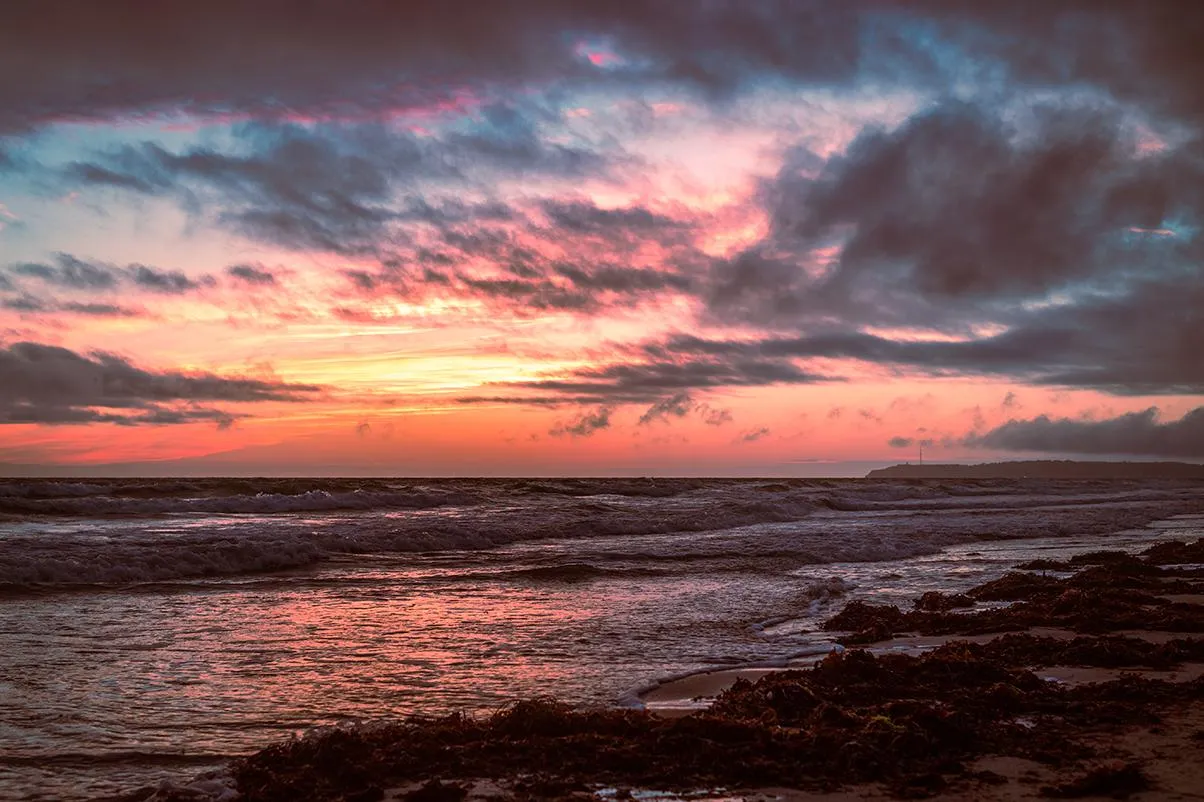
x: 681, y: 238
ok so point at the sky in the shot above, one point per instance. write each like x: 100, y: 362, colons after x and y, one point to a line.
x: 570, y: 237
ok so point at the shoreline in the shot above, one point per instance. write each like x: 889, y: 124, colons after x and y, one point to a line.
x: 697, y: 691
x: 1082, y: 682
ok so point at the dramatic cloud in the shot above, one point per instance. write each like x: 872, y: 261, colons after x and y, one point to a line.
x: 330, y: 187
x: 960, y: 213
x: 1132, y: 434
x: 80, y: 61
x: 954, y: 204
x: 1144, y: 341
x: 650, y: 203
x: 48, y: 384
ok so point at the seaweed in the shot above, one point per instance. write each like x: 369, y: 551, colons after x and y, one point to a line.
x: 1113, y: 591
x: 1175, y: 552
x: 933, y: 601
x: 1014, y: 586
x: 913, y: 723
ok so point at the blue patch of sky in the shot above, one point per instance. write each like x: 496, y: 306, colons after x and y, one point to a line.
x: 914, y: 51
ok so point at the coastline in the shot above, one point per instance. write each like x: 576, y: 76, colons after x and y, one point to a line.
x: 608, y: 606
x: 1088, y: 681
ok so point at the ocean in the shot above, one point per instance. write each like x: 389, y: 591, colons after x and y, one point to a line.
x: 152, y: 629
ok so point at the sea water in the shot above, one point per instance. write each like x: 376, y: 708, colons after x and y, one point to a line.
x: 151, y: 630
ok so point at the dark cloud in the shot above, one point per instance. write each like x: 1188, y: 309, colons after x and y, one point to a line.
x: 1150, y: 57
x: 363, y: 280
x: 332, y: 187
x: 1131, y: 434
x: 150, y: 416
x: 953, y: 203
x: 636, y: 382
x: 585, y: 424
x: 266, y: 59
x: 1146, y: 340
x: 961, y: 212
x: 252, y: 274
x: 168, y: 282
x: 753, y: 435
x: 583, y: 217
x: 507, y: 266
x: 99, y: 310
x: 1049, y: 226
x: 74, y: 59
x: 29, y: 304
x: 23, y: 303
x: 47, y: 384
x: 73, y: 274
x: 296, y: 187
x: 70, y: 273
x: 531, y: 400
x: 529, y: 295
x: 1020, y: 352
x: 677, y: 406
x: 90, y: 173
x: 909, y: 442
x: 622, y: 280
x: 450, y: 211
x: 1045, y: 225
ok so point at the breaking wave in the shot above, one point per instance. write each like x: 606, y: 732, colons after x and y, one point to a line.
x: 64, y: 534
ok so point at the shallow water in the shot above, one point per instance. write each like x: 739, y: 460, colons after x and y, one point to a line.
x: 149, y: 635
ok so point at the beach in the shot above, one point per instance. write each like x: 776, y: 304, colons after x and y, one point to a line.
x: 1110, y: 704
x: 158, y: 631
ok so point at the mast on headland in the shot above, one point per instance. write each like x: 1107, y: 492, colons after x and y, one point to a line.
x: 921, y: 453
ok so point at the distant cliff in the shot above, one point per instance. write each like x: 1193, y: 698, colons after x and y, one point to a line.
x: 1043, y: 469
